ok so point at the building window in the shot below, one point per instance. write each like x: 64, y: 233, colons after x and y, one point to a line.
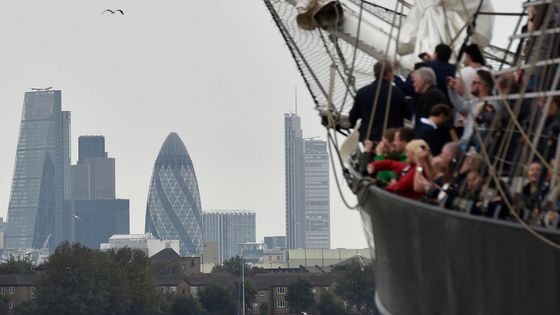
x: 173, y: 290
x: 194, y: 291
x: 261, y: 292
x: 314, y: 290
x: 12, y: 290
x: 11, y: 305
x: 3, y: 290
x: 280, y: 304
x: 281, y: 290
x: 162, y: 289
x: 33, y: 293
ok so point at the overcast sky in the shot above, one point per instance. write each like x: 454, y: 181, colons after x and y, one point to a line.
x: 217, y: 72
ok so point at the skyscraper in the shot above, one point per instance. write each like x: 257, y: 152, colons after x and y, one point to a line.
x: 229, y: 229
x: 173, y: 210
x: 94, y: 175
x: 98, y: 214
x: 307, y: 188
x: 317, y: 208
x: 39, y: 209
x: 295, y: 185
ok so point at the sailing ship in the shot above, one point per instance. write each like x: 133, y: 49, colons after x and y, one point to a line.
x: 440, y: 258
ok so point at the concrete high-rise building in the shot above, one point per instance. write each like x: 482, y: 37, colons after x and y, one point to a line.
x: 294, y: 185
x: 317, y: 206
x: 173, y: 210
x: 98, y: 214
x: 39, y: 208
x: 94, y: 175
x: 307, y: 188
x: 230, y: 229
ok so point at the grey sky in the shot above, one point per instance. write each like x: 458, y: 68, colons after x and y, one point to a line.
x: 215, y: 71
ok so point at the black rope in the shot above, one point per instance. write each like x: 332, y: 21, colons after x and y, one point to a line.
x: 470, y: 31
x: 503, y: 13
x: 382, y: 7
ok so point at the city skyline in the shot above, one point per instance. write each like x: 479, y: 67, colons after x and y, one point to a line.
x: 135, y: 78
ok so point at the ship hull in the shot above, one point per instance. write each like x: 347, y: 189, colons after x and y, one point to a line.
x: 434, y: 261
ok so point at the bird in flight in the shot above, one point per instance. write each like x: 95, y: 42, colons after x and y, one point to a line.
x: 113, y: 11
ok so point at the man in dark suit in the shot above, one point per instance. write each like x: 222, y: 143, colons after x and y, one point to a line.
x: 429, y: 95
x: 434, y: 129
x: 441, y: 66
x: 364, y: 104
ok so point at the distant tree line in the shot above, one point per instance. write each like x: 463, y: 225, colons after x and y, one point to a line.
x: 79, y: 280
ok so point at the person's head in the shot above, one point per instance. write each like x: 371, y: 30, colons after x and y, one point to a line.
x: 474, y: 55
x: 422, y: 79
x: 403, y: 136
x: 439, y: 166
x: 382, y: 69
x: 554, y: 103
x: 414, y: 146
x: 389, y: 134
x: 483, y: 84
x: 443, y: 52
x: 473, y: 161
x: 533, y: 172
x: 440, y: 114
x: 450, y: 151
x: 505, y: 83
x: 474, y: 180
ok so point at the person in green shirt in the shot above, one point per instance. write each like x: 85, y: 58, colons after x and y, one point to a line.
x: 391, y: 147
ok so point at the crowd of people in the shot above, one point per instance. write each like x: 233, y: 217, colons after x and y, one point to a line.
x: 434, y: 137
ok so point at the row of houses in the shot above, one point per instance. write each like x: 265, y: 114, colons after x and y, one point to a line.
x: 271, y: 288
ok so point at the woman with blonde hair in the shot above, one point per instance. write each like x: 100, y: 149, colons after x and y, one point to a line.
x: 418, y: 153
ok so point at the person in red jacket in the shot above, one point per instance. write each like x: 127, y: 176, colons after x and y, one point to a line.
x: 404, y: 184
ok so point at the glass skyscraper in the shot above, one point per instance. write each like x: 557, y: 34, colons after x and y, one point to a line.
x: 229, y: 229
x: 39, y: 208
x: 173, y: 210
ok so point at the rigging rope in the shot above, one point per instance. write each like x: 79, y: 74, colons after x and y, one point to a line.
x: 507, y: 202
x: 389, y: 92
x: 380, y: 80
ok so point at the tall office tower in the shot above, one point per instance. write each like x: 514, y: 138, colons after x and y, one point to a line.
x: 317, y: 209
x: 173, y: 210
x: 229, y: 229
x: 94, y: 175
x: 294, y: 177
x: 98, y: 214
x: 39, y: 209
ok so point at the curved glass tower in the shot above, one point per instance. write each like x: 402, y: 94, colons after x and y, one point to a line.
x: 173, y: 210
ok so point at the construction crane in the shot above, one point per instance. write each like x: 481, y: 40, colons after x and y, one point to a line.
x: 42, y: 89
x: 46, y: 243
